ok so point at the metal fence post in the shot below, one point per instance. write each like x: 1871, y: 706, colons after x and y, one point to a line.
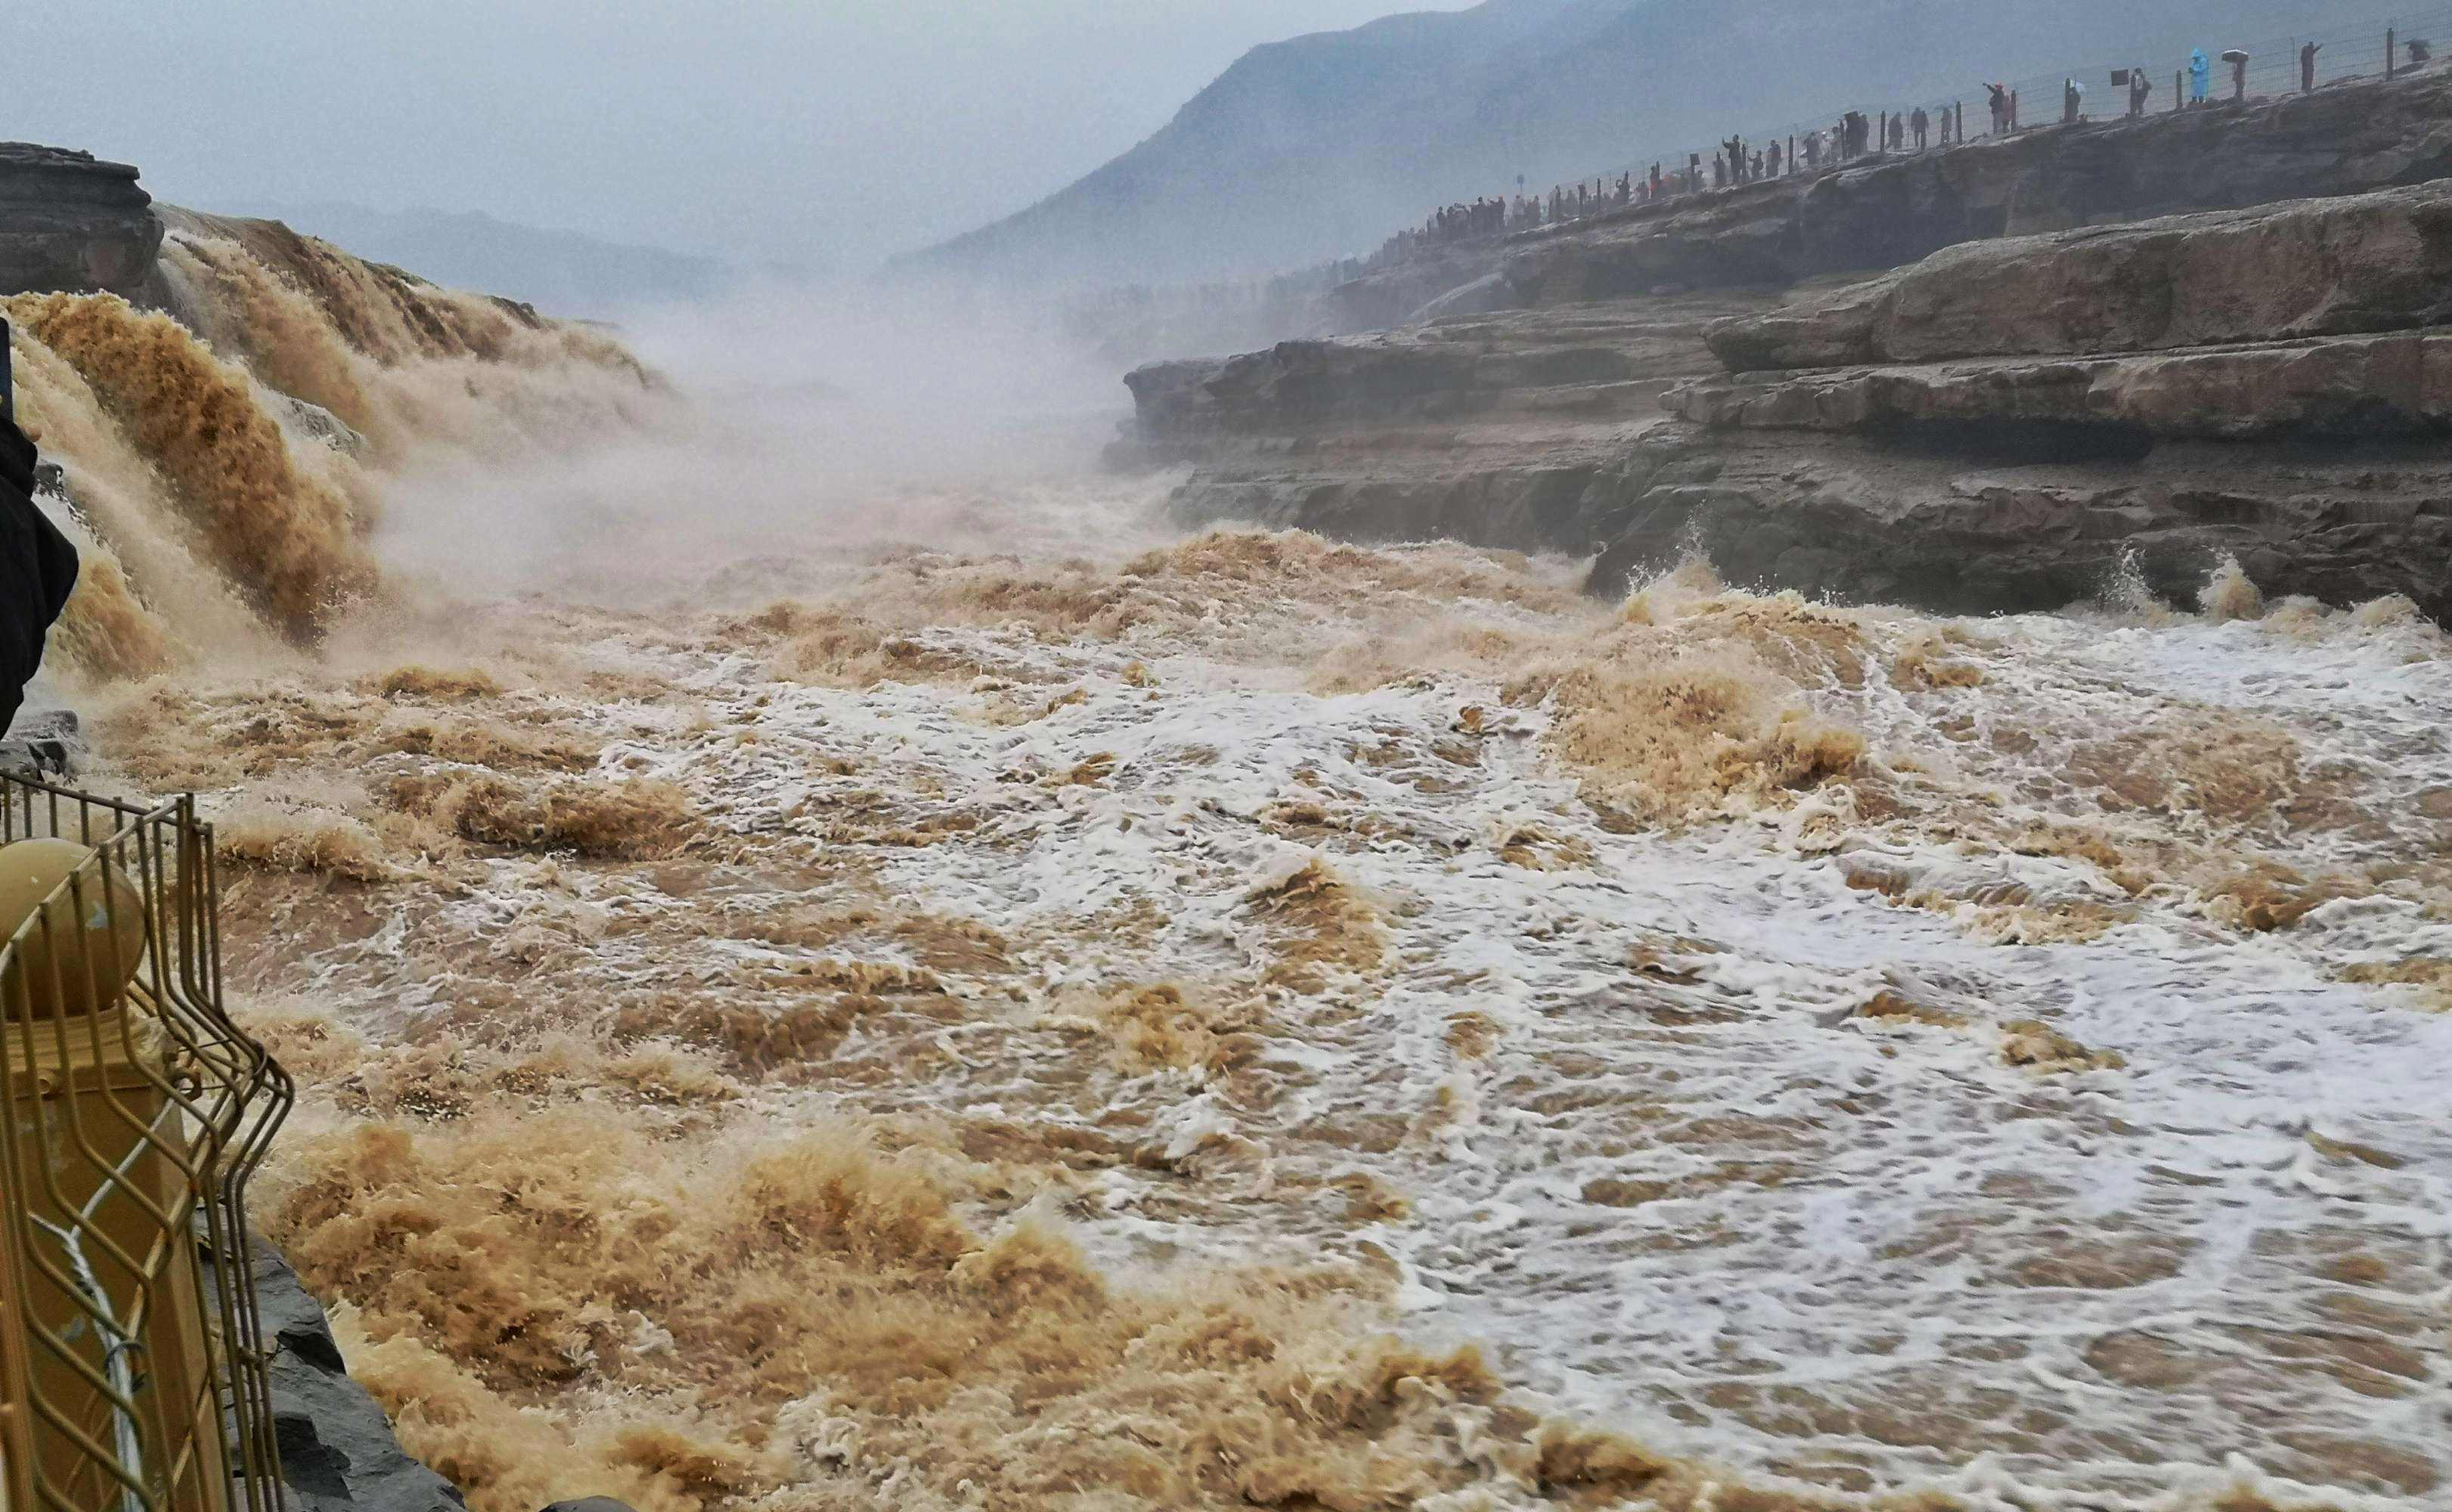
x: 131, y: 1111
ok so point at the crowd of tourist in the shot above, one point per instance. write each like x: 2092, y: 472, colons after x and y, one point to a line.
x: 1736, y: 161
x: 1853, y: 135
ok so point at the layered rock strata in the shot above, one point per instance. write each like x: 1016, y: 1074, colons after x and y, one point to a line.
x: 71, y: 222
x: 2005, y: 423
x: 2019, y: 413
x: 1889, y: 209
x: 2374, y: 262
x: 1502, y: 430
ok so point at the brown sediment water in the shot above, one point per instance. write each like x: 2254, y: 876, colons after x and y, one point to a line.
x: 1041, y: 1012
x: 284, y: 538
x: 215, y: 509
x: 2050, y: 1020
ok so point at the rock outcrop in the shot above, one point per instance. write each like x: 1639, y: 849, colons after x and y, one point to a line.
x: 71, y: 222
x: 1593, y: 362
x: 1501, y: 431
x: 2019, y: 413
x: 2397, y: 385
x: 1889, y: 210
x: 2374, y: 262
x: 1970, y: 523
x: 43, y: 743
x: 2001, y: 424
x: 337, y: 1449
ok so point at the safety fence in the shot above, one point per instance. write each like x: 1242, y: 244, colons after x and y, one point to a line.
x: 133, y: 1370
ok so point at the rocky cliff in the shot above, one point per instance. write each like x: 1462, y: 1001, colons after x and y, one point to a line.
x: 1318, y: 147
x: 72, y: 223
x: 1974, y: 380
x: 337, y: 1449
x: 1889, y: 209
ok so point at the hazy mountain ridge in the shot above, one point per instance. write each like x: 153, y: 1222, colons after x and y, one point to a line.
x: 1322, y: 146
x: 566, y: 273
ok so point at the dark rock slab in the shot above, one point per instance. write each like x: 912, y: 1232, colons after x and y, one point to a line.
x: 1593, y: 362
x: 43, y: 743
x: 337, y: 1449
x: 71, y: 222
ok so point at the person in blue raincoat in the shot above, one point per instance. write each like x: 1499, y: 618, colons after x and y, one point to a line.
x: 2201, y: 75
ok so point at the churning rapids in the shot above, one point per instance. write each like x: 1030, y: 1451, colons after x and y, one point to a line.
x: 987, y: 1002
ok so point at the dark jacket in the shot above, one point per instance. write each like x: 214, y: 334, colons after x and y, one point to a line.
x: 38, y: 567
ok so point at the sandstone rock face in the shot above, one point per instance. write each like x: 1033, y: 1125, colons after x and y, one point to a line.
x: 70, y: 222
x: 1961, y: 528
x: 2351, y: 386
x: 1398, y: 295
x: 2002, y: 425
x: 1501, y: 431
x: 1892, y: 209
x: 1589, y: 363
x: 2376, y: 261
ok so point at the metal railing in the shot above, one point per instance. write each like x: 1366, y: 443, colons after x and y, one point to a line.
x: 133, y: 1378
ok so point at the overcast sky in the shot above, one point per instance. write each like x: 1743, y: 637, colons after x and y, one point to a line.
x: 803, y: 130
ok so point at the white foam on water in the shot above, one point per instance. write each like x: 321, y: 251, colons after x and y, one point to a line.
x: 1713, y: 1205
x: 1694, y: 1191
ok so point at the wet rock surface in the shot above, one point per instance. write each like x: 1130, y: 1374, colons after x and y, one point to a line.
x: 42, y: 742
x: 2351, y: 388
x: 1590, y: 364
x: 337, y: 1449
x: 1918, y: 520
x: 72, y: 221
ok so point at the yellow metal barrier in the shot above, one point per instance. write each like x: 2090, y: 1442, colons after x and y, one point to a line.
x: 133, y: 1378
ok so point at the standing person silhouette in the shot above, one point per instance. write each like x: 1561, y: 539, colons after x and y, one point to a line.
x: 38, y: 567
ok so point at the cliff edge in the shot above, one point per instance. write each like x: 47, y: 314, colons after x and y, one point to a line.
x: 1976, y: 379
x: 70, y: 222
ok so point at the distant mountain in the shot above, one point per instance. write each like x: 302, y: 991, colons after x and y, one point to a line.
x: 1321, y: 147
x: 559, y: 272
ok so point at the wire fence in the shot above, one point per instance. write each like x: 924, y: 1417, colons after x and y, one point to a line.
x: 131, y: 1381
x: 2369, y: 44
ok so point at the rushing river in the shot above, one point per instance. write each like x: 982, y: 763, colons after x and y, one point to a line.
x: 2000, y: 1058
x: 945, y: 997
